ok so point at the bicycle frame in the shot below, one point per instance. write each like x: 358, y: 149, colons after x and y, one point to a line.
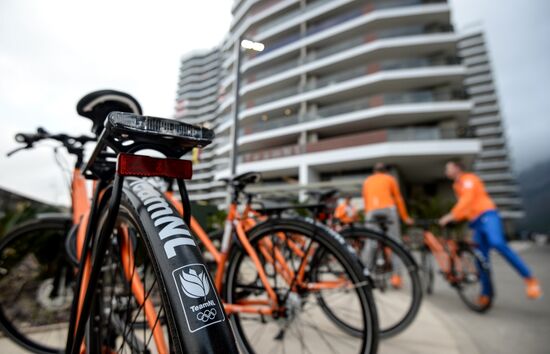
x: 82, y: 213
x: 445, y: 254
x: 240, y: 224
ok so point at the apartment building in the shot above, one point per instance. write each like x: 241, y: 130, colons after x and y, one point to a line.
x: 340, y: 85
x: 493, y: 164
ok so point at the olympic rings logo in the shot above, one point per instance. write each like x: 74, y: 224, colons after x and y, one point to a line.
x: 207, y: 315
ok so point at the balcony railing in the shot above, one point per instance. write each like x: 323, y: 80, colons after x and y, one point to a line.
x: 277, y: 95
x: 268, y: 125
x: 380, y: 100
x: 349, y: 74
x: 291, y: 15
x: 271, y: 71
x: 348, y: 107
x: 351, y: 140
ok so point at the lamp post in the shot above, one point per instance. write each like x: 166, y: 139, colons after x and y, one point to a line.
x: 248, y: 45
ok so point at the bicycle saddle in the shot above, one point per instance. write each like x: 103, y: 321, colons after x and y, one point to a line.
x: 380, y: 219
x: 243, y: 179
x: 98, y: 104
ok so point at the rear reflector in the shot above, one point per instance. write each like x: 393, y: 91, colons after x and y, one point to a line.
x: 145, y: 166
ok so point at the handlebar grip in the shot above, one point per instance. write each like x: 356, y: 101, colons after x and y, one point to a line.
x: 25, y: 138
x: 20, y: 138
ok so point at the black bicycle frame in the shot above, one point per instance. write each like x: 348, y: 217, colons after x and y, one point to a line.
x: 98, y: 247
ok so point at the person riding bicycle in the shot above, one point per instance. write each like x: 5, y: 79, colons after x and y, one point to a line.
x: 475, y: 205
x: 382, y: 198
x: 345, y: 212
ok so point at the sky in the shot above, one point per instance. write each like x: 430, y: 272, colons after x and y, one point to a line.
x: 518, y: 36
x: 53, y: 52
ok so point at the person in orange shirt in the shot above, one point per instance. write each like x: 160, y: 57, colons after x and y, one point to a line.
x: 345, y: 212
x: 475, y: 205
x: 381, y: 197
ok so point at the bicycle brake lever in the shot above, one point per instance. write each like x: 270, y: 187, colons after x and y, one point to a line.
x: 18, y: 149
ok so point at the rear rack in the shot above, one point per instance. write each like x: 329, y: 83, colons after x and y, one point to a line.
x: 129, y: 133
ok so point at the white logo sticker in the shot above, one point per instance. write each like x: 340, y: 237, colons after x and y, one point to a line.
x: 199, y: 301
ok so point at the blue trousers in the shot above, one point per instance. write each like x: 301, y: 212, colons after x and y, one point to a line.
x: 488, y: 233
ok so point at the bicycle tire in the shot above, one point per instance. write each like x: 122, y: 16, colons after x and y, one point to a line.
x: 181, y: 287
x: 466, y: 254
x: 411, y: 269
x: 330, y: 242
x: 37, y: 264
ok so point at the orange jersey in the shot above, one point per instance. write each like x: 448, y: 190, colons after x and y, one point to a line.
x: 473, y: 200
x: 346, y: 213
x: 380, y: 191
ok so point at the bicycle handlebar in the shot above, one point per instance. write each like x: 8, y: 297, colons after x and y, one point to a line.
x: 73, y: 144
x: 425, y: 223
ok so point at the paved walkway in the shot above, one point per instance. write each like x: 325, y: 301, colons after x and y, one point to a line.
x: 444, y: 325
x: 431, y: 332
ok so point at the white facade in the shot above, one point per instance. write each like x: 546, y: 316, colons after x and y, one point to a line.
x: 340, y: 85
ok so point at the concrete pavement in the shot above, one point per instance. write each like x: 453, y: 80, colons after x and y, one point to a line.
x: 514, y: 324
x: 445, y: 325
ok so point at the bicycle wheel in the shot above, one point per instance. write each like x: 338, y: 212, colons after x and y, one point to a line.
x: 397, y: 285
x: 468, y: 269
x: 154, y: 291
x: 36, y: 284
x: 298, y: 323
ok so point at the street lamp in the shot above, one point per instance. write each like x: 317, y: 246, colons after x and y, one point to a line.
x: 248, y: 45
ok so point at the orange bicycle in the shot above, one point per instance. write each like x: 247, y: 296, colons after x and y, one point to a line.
x: 132, y: 277
x: 459, y: 262
x: 271, y: 289
x: 277, y: 275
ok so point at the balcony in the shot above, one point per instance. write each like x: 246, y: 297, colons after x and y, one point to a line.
x: 196, y: 86
x: 478, y: 59
x: 485, y: 109
x: 485, y: 120
x: 425, y: 108
x: 380, y: 100
x: 210, y: 91
x: 491, y: 165
x: 484, y: 99
x: 355, y: 81
x: 486, y: 142
x: 201, y: 111
x: 186, y: 72
x: 270, y: 25
x: 350, y: 140
x: 489, y: 131
x: 197, y: 78
x: 268, y: 125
